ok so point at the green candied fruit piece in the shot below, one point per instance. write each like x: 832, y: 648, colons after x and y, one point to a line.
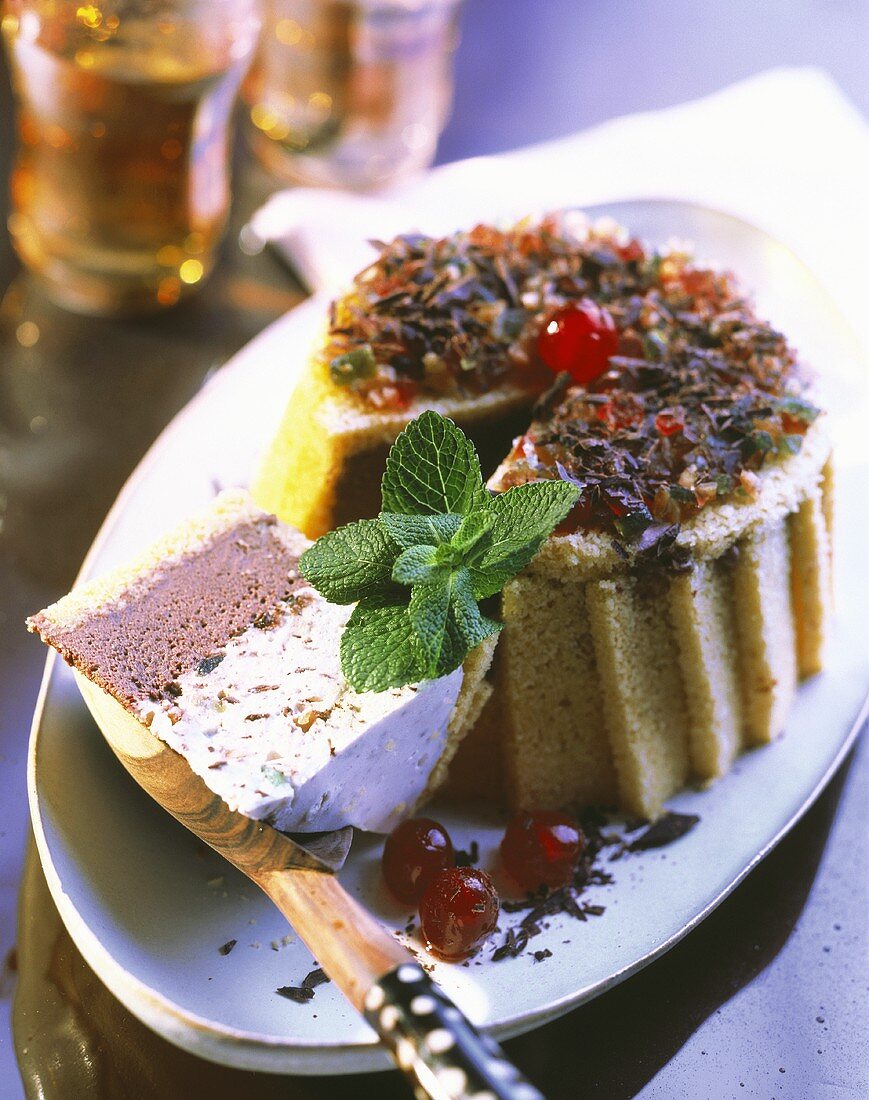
x: 509, y: 324
x: 759, y: 442
x: 353, y: 365
x: 633, y: 524
x: 798, y: 409
x: 723, y: 484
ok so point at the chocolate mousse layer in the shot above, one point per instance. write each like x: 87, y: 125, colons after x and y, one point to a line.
x: 181, y: 615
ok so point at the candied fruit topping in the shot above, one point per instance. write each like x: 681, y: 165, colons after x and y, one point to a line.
x: 701, y: 395
x: 463, y: 313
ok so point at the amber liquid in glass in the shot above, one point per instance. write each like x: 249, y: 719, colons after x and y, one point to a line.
x: 120, y: 191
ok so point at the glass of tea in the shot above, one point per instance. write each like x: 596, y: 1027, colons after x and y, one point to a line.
x: 351, y: 93
x: 120, y: 189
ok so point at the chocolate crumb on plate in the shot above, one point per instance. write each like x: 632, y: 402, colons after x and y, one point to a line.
x: 225, y: 948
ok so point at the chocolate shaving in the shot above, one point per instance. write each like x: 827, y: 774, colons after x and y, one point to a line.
x: 469, y: 858
x: 315, y: 978
x: 548, y: 402
x: 664, y: 831
x: 209, y: 664
x: 225, y: 948
x: 298, y: 993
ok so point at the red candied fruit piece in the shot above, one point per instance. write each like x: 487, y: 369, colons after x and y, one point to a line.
x: 792, y: 425
x: 632, y: 251
x: 542, y: 849
x: 458, y: 910
x: 582, y: 514
x: 622, y: 411
x: 393, y: 395
x: 413, y: 854
x: 578, y: 338
x: 668, y: 422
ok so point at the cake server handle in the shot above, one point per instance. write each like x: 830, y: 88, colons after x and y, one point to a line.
x: 441, y: 1053
x: 434, y: 1043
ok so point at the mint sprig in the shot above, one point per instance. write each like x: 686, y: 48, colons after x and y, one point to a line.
x: 442, y: 543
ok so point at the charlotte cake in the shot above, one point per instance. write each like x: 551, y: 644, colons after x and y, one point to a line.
x: 667, y: 626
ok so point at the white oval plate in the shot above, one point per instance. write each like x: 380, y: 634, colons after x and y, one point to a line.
x: 148, y: 905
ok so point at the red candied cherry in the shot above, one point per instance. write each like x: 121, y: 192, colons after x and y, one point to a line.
x: 413, y: 853
x: 542, y: 849
x: 458, y: 910
x: 578, y: 338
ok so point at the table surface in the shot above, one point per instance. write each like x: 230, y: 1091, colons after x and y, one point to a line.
x: 768, y: 997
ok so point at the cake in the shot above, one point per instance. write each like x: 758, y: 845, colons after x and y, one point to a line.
x: 214, y: 641
x: 665, y: 627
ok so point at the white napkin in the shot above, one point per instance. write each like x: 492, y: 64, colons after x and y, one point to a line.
x: 784, y: 150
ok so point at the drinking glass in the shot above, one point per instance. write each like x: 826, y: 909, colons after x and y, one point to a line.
x: 120, y: 188
x: 351, y: 93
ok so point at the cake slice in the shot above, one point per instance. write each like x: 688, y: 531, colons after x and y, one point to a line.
x: 214, y: 641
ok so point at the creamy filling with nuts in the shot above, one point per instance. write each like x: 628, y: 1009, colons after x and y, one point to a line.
x: 271, y: 726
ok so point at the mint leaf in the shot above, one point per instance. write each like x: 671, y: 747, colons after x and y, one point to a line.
x: 447, y: 622
x: 473, y: 626
x: 473, y: 527
x: 438, y: 642
x: 418, y: 565
x: 379, y: 649
x: 432, y: 468
x: 441, y: 544
x: 524, y: 517
x: 410, y: 531
x: 351, y: 563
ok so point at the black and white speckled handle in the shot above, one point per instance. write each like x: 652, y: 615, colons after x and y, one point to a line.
x: 442, y: 1053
